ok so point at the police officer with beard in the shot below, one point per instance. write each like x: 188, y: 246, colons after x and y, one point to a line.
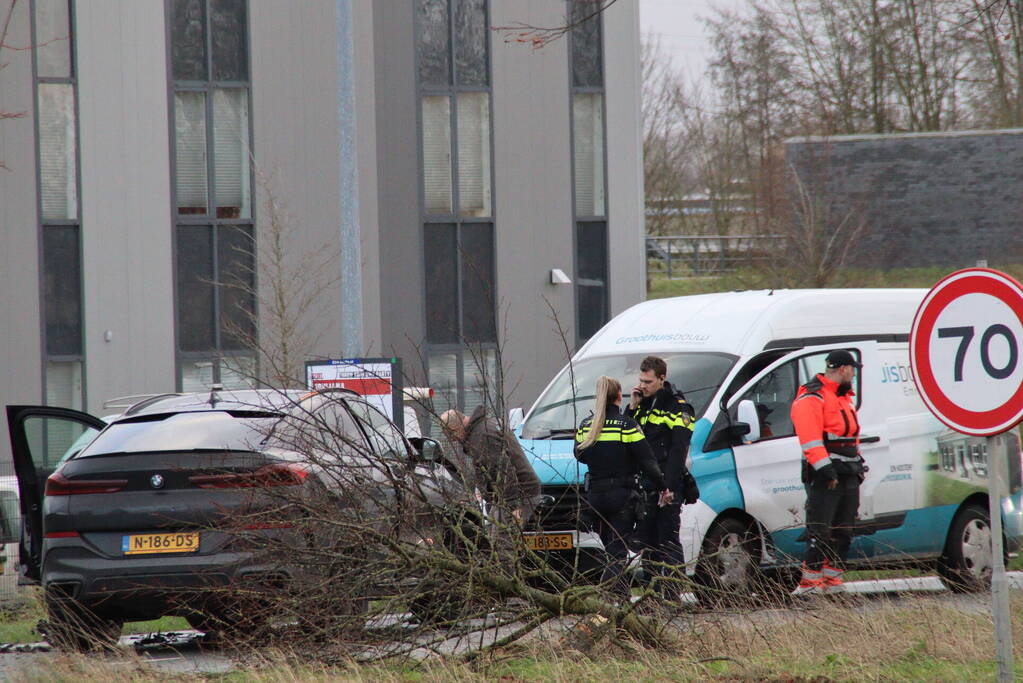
x: 615, y: 452
x: 667, y: 421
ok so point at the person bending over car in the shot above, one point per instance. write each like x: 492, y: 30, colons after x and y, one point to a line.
x: 500, y: 470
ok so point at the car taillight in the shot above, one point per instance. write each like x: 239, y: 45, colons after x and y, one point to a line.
x: 62, y: 534
x: 269, y: 475
x: 59, y: 485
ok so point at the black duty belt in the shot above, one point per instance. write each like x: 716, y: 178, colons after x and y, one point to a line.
x: 613, y: 482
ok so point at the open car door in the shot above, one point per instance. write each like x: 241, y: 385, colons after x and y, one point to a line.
x: 41, y: 438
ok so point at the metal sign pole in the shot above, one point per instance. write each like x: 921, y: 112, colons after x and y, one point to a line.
x: 997, y: 453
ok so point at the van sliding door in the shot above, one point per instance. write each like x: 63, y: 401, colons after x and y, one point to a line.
x: 769, y: 468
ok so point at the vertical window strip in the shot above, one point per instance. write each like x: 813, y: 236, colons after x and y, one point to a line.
x: 589, y: 183
x: 190, y: 152
x: 453, y: 67
x: 474, y: 154
x: 436, y: 135
x: 58, y: 158
x: 230, y: 152
x: 59, y: 228
x: 216, y: 261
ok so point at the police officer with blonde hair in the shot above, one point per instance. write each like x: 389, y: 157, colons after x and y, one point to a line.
x: 613, y: 448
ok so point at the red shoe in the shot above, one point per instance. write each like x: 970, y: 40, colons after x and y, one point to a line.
x: 812, y: 583
x: 832, y: 580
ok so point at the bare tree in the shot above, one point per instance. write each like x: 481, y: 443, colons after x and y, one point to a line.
x: 580, y: 12
x: 4, y: 31
x: 996, y: 40
x: 281, y: 294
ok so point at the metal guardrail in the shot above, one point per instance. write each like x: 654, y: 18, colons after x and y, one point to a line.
x: 708, y: 254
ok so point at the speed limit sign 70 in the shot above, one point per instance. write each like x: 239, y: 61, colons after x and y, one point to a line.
x: 967, y: 351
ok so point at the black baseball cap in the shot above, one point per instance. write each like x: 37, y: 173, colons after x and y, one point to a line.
x: 837, y: 359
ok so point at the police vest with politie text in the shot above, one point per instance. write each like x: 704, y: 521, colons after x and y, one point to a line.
x: 667, y: 421
x: 824, y: 417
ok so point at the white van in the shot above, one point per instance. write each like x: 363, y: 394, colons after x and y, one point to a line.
x: 740, y: 357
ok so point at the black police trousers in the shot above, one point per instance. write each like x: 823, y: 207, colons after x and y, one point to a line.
x: 614, y: 518
x: 830, y: 517
x: 658, y: 536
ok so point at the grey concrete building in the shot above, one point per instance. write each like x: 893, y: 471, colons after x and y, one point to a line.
x: 424, y: 175
x: 921, y: 199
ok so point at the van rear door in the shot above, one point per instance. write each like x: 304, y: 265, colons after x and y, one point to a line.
x: 769, y: 467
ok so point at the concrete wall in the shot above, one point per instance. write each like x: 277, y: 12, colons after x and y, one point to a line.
x: 20, y: 316
x: 532, y: 196
x: 400, y: 238
x: 295, y: 139
x: 125, y: 183
x: 927, y: 199
x: 623, y: 87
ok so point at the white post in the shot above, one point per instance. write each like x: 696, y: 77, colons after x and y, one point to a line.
x: 997, y: 469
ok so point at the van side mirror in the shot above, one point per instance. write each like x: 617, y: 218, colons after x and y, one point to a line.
x: 747, y: 428
x: 429, y: 450
x: 515, y: 419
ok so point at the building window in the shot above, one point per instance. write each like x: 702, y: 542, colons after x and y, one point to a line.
x: 589, y: 184
x: 60, y: 228
x: 458, y: 217
x: 215, y: 242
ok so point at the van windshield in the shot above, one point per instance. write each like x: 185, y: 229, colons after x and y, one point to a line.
x: 563, y: 406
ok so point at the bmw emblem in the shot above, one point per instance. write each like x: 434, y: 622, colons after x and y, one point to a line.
x: 156, y: 481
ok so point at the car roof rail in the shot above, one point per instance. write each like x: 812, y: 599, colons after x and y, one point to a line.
x: 136, y: 402
x: 328, y: 390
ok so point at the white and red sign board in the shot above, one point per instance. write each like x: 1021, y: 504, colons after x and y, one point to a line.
x: 966, y: 347
x: 376, y: 380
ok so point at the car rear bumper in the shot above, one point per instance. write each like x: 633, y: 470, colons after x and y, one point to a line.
x: 146, y: 587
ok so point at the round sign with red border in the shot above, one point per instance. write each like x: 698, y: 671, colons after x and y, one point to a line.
x: 966, y: 348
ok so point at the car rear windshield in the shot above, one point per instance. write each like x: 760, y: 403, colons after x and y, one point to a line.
x: 210, y: 430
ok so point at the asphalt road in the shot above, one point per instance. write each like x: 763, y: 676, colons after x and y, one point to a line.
x: 182, y: 653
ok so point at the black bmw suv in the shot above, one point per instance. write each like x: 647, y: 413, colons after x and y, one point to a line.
x: 130, y: 525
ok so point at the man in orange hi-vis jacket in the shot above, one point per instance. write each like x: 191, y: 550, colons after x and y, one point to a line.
x: 824, y: 415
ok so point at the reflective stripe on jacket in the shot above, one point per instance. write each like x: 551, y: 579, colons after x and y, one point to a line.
x: 620, y: 451
x: 667, y: 421
x: 826, y: 423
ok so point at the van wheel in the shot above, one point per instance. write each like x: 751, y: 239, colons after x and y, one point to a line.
x: 74, y: 627
x: 728, y: 564
x: 967, y: 562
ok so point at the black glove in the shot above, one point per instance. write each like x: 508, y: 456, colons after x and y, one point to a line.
x: 690, y: 491
x: 827, y: 473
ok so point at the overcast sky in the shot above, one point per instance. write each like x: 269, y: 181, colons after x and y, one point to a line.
x: 681, y: 35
